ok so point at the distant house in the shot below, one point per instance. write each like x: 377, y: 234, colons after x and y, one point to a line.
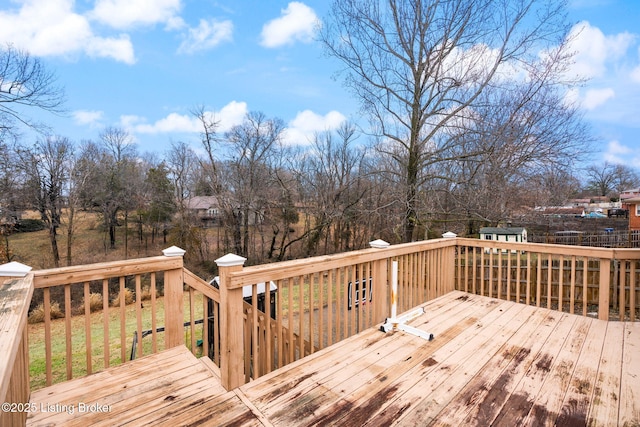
x: 204, y: 208
x: 628, y: 194
x: 208, y: 210
x: 633, y: 205
x: 503, y: 234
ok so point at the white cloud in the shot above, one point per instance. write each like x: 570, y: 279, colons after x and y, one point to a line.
x: 301, y: 129
x: 124, y: 14
x: 230, y: 115
x: 297, y: 23
x: 120, y: 49
x: 596, y: 97
x: 84, y: 117
x: 590, y: 100
x: 621, y: 154
x: 51, y: 28
x: 635, y: 73
x: 594, y: 49
x: 207, y: 35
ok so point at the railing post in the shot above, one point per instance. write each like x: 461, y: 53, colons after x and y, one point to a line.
x: 603, y: 291
x: 449, y: 265
x: 173, y: 301
x: 231, y: 324
x: 379, y: 292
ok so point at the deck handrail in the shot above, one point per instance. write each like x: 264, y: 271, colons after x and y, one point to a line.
x: 15, y: 296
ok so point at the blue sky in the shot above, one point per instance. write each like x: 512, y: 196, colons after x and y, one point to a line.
x: 143, y: 65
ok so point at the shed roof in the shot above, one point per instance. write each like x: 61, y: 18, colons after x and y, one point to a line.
x: 502, y: 230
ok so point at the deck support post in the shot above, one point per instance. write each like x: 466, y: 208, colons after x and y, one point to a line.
x: 231, y: 324
x: 173, y: 301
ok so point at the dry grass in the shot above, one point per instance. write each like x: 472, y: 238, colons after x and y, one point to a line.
x: 129, y: 298
x: 90, y: 244
x: 145, y: 295
x: 95, y: 302
x: 37, y: 314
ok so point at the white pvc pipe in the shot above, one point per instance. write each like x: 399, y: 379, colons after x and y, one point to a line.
x: 394, y: 289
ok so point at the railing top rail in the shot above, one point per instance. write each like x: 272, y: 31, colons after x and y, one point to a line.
x: 286, y: 269
x: 201, y: 285
x: 15, y: 297
x: 586, y: 251
x: 104, y: 270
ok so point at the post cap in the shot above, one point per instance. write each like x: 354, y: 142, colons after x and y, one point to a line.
x: 379, y: 244
x: 230, y: 260
x: 174, y: 251
x: 14, y: 269
x: 449, y: 235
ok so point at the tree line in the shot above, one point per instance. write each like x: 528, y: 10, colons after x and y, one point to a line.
x: 273, y: 201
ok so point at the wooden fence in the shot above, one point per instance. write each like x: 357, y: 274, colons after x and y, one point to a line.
x: 600, y: 239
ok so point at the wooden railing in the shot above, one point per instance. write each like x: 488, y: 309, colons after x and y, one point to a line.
x: 320, y: 301
x: 582, y: 280
x: 85, y: 346
x: 249, y: 328
x: 15, y: 295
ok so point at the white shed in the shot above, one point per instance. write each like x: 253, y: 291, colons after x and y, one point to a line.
x: 503, y: 234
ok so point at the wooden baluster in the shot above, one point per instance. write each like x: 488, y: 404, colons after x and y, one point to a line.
x: 87, y: 326
x: 139, y: 315
x: 604, y: 288
x: 67, y: 331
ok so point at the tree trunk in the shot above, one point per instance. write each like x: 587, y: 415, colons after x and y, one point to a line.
x: 54, y: 246
x: 72, y: 214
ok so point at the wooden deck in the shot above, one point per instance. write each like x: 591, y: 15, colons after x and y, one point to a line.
x: 491, y: 363
x: 169, y: 388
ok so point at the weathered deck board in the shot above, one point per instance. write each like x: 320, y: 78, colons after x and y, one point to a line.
x: 133, y: 391
x: 505, y: 381
x: 492, y: 362
x: 369, y: 387
x: 397, y: 349
x: 606, y: 399
x: 415, y: 385
x: 629, y: 389
x: 481, y: 381
x: 557, y: 359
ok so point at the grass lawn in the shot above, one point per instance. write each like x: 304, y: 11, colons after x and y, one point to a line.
x: 37, y: 362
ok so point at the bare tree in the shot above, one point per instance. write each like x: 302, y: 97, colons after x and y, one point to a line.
x: 25, y: 83
x: 522, y: 131
x: 182, y: 162
x: 252, y: 148
x: 419, y: 67
x: 115, y: 179
x: 333, y: 187
x: 46, y: 168
x: 610, y: 179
